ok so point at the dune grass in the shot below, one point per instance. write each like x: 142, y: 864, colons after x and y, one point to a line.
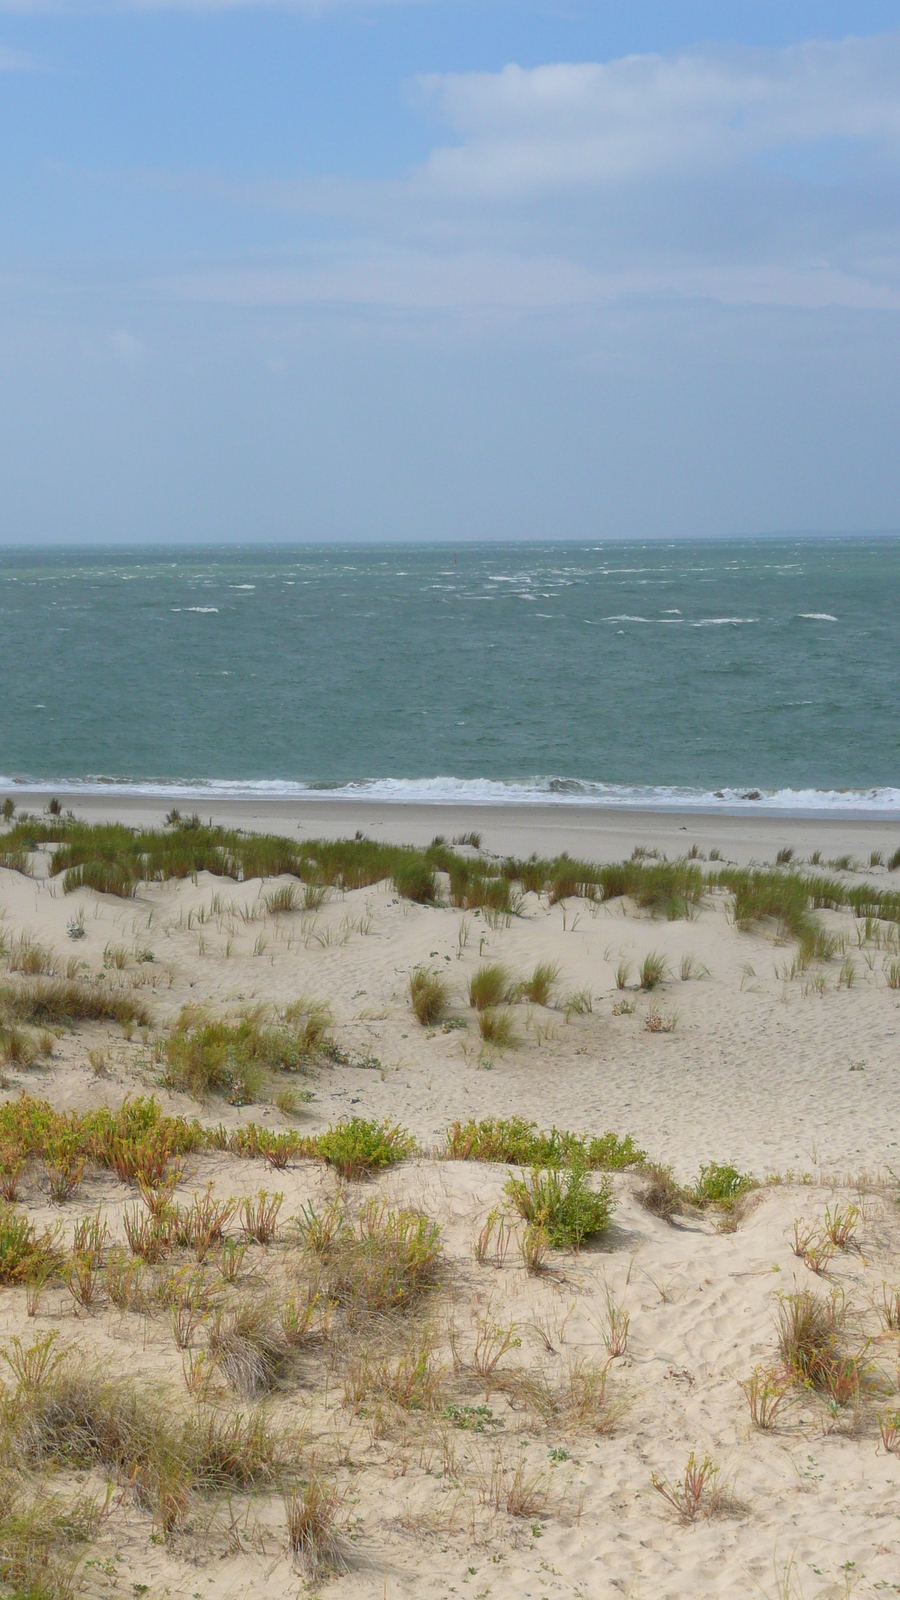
x: 429, y: 995
x: 57, y: 1002
x: 490, y: 985
x: 206, y: 1054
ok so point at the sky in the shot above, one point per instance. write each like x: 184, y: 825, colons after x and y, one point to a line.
x: 448, y: 269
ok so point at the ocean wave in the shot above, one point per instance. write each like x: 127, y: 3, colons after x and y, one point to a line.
x: 817, y: 616
x: 484, y: 792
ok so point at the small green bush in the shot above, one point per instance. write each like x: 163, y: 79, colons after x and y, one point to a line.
x: 720, y: 1185
x: 24, y: 1255
x: 518, y: 1142
x: 358, y: 1148
x: 563, y: 1205
x: 206, y: 1055
x: 496, y: 1027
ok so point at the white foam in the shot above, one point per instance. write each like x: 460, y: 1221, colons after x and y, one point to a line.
x: 447, y: 790
x: 817, y: 616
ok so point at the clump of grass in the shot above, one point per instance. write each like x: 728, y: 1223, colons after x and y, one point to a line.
x: 562, y: 1205
x: 472, y: 839
x: 538, y: 988
x: 623, y: 972
x: 809, y: 1335
x: 414, y: 879
x: 429, y: 995
x: 311, y: 1512
x: 383, y: 1261
x: 283, y: 902
x: 248, y: 1344
x: 259, y: 1216
x: 692, y: 968
x: 206, y: 1055
x: 358, y: 1148
x: 64, y: 1002
x: 30, y: 958
x: 662, y: 1195
x: 490, y: 986
x: 894, y: 861
x: 496, y: 1026
x: 80, y: 1419
x: 513, y: 1140
x: 654, y: 970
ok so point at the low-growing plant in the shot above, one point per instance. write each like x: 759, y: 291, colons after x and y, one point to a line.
x: 283, y: 902
x: 657, y: 1021
x: 24, y: 1252
x: 358, y: 1148
x: 562, y: 1204
x: 623, y: 973
x: 721, y: 1185
x: 890, y: 1306
x: 490, y: 985
x: 259, y: 1216
x: 534, y: 1244
x: 696, y: 1494
x: 616, y: 1323
x: 513, y: 1140
x: 429, y: 995
x: 840, y: 1226
x: 577, y: 1003
x: 692, y: 968
x: 766, y: 1390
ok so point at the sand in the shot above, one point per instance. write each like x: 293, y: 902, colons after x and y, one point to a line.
x: 786, y: 1077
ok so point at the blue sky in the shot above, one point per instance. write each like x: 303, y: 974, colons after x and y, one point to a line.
x: 448, y: 269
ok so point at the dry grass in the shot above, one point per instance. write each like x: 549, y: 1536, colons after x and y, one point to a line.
x: 313, y: 1536
x: 63, y: 1002
x: 248, y: 1344
x: 697, y: 1494
x: 379, y: 1261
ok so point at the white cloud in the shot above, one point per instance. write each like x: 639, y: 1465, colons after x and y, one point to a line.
x: 525, y: 131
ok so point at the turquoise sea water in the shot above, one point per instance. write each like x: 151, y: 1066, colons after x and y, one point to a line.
x: 603, y: 673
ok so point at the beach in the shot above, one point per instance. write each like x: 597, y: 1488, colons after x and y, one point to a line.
x: 738, y: 1057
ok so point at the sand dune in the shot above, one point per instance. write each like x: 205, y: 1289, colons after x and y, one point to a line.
x: 515, y: 1484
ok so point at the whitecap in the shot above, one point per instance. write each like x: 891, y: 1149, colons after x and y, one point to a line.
x: 204, y: 610
x: 817, y: 616
x: 722, y: 622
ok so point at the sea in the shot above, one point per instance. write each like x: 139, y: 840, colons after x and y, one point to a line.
x: 739, y: 674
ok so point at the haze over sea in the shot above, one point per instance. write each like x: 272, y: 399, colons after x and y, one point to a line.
x: 613, y: 673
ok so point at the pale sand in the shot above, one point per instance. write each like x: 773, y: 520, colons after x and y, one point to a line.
x: 592, y: 833
x: 757, y: 1072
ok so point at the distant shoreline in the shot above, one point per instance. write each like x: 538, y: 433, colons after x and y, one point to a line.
x: 589, y: 832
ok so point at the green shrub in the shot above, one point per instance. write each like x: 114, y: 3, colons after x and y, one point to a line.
x: 562, y: 1205
x: 358, y: 1148
x: 62, y: 1002
x: 720, y: 1185
x: 513, y: 1140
